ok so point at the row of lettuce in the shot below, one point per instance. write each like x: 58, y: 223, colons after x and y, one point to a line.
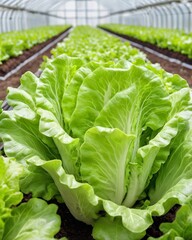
x: 103, y: 130
x: 175, y: 40
x: 13, y: 44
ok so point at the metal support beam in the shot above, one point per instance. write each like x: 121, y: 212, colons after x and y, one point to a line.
x: 76, y: 12
x: 79, y: 10
x: 29, y: 11
x: 98, y: 11
x: 86, y: 12
x: 141, y: 7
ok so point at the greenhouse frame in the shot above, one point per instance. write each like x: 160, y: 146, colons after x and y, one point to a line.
x: 23, y: 14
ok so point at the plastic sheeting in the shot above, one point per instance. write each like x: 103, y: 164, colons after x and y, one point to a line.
x: 22, y: 14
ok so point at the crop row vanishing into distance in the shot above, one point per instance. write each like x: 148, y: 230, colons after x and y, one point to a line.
x: 172, y: 39
x: 103, y: 130
x: 13, y: 43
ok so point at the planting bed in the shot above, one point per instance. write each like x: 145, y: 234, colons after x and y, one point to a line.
x: 164, y: 51
x: 13, y: 62
x: 76, y: 230
x: 33, y: 66
x: 171, y: 67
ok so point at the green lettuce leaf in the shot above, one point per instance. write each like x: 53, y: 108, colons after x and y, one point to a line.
x: 38, y: 182
x: 103, y: 150
x: 66, y: 145
x: 23, y: 141
x: 107, y: 228
x: 22, y: 99
x: 32, y: 220
x: 151, y: 157
x: 12, y: 130
x: 53, y: 82
x: 102, y: 86
x: 71, y: 92
x: 1, y: 102
x: 178, y: 165
x: 95, y: 91
x: 132, y: 223
x: 52, y: 85
x: 181, y: 227
x: 10, y: 195
x: 79, y: 197
x: 135, y: 107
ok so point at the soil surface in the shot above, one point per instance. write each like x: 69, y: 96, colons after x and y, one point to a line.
x: 153, y: 230
x: 13, y: 62
x: 76, y: 230
x: 165, y: 64
x: 72, y: 228
x: 33, y: 66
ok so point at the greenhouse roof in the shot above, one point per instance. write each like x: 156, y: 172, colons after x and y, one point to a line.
x: 23, y: 14
x: 56, y: 5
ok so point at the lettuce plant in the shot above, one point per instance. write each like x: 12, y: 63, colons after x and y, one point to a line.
x: 91, y: 44
x: 114, y: 142
x: 9, y: 189
x: 12, y: 44
x: 32, y: 220
x: 172, y: 39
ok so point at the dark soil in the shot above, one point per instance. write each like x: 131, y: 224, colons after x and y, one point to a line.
x: 168, y: 66
x: 72, y: 228
x: 153, y: 230
x: 33, y: 66
x: 76, y: 230
x: 182, y: 57
x: 13, y: 62
x: 171, y: 67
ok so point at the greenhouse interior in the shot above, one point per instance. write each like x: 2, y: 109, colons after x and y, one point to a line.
x: 95, y: 120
